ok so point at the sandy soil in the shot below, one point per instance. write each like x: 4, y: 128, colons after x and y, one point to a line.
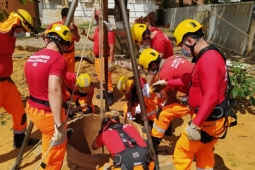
x: 235, y: 152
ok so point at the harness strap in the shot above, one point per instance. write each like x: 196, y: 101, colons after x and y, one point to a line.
x: 126, y: 138
x: 211, y: 47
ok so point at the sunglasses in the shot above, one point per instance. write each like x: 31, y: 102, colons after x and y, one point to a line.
x: 25, y: 21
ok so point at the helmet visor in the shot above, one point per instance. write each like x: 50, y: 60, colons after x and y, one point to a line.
x: 25, y: 22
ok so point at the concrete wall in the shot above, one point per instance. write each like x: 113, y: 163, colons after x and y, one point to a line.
x: 217, y: 31
x: 50, y: 10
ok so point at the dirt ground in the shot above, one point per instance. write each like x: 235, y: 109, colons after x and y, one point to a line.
x: 235, y: 152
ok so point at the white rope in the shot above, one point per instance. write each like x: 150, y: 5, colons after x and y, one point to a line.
x: 224, y: 20
x: 82, y: 56
x: 44, y: 156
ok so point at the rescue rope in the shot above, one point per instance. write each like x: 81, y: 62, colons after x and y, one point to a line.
x: 82, y: 56
x: 38, y: 166
x: 224, y: 20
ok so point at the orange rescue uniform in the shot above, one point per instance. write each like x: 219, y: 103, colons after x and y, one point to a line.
x: 78, y: 97
x: 111, y: 40
x: 10, y: 98
x: 174, y: 69
x: 37, y: 74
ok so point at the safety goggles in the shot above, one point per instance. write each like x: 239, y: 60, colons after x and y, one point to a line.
x: 25, y: 21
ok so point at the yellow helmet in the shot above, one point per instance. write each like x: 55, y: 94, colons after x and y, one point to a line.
x: 137, y: 31
x: 146, y: 57
x: 25, y: 18
x: 124, y: 84
x: 83, y: 83
x: 62, y: 30
x: 186, y: 26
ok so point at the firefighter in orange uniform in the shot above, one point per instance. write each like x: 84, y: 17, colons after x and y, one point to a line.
x: 45, y: 72
x: 127, y: 149
x: 127, y: 87
x: 69, y: 54
x: 175, y: 73
x: 18, y: 23
x: 83, y: 94
x: 208, y: 96
x: 111, y: 43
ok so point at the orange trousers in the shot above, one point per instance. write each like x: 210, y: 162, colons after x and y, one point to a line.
x: 168, y: 113
x: 10, y: 100
x: 97, y: 65
x: 44, y: 121
x: 81, y: 100
x: 151, y: 109
x: 186, y: 150
x: 110, y: 166
x: 70, y: 60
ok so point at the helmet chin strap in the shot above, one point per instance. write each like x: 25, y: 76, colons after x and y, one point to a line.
x: 56, y: 45
x: 191, y: 47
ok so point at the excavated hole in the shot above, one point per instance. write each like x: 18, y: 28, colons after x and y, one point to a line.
x: 80, y: 155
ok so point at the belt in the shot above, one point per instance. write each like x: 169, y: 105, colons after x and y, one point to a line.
x: 69, y: 51
x: 4, y: 78
x: 97, y: 56
x: 43, y: 102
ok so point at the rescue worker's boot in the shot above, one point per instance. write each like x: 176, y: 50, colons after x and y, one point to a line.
x: 110, y: 100
x: 18, y: 140
x: 69, y: 132
x: 169, y: 130
x: 156, y: 142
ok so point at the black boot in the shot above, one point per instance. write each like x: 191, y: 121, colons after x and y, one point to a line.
x: 110, y: 100
x: 18, y: 139
x: 69, y: 132
x: 98, y: 96
x: 169, y: 130
x: 88, y: 110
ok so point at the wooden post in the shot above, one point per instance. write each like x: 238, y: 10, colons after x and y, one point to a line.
x: 106, y: 50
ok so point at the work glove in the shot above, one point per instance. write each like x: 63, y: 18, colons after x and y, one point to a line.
x: 146, y: 90
x: 108, y: 25
x: 129, y: 116
x: 111, y: 67
x: 59, y: 133
x: 158, y: 86
x: 138, y: 109
x: 193, y: 132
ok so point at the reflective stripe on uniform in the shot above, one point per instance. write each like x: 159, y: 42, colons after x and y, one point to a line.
x: 106, y: 166
x: 158, y: 128
x: 152, y: 112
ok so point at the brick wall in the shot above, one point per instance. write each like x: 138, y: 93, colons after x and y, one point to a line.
x: 29, y: 7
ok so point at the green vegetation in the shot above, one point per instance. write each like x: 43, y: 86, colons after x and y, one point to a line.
x: 244, y: 84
